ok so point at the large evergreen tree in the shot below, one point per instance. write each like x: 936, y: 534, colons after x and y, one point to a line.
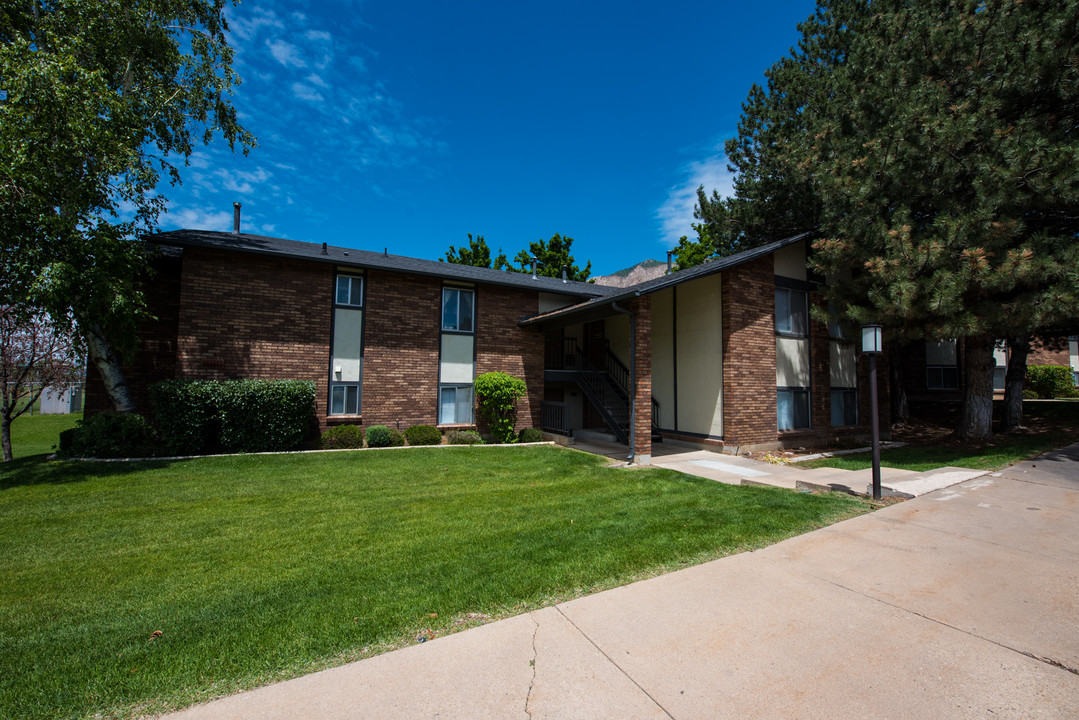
x: 935, y: 148
x: 100, y: 99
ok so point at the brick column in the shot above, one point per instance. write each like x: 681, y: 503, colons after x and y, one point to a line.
x: 642, y: 421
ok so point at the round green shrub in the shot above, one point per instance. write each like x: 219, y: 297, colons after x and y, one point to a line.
x: 1030, y: 395
x: 530, y: 435
x: 111, y: 435
x: 342, y: 437
x: 497, y: 394
x: 463, y: 437
x: 1050, y: 381
x: 382, y: 436
x: 423, y: 435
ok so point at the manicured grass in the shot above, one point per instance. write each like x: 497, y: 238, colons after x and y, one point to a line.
x: 1054, y: 424
x: 259, y: 568
x: 38, y: 434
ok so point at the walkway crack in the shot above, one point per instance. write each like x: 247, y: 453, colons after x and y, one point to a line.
x: 614, y: 662
x: 1032, y: 656
x: 532, y: 682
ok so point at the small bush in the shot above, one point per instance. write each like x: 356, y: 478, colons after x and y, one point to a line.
x: 1050, y: 381
x: 463, y: 437
x: 265, y: 415
x: 530, y: 435
x: 497, y: 394
x: 110, y: 435
x: 423, y: 435
x: 382, y: 436
x: 342, y: 437
x: 1030, y: 395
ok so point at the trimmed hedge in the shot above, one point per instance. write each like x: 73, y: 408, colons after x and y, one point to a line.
x: 342, y: 437
x: 382, y: 436
x: 237, y: 415
x: 1051, y: 381
x: 423, y: 435
x: 530, y: 435
x: 109, y: 435
x: 463, y: 437
x: 187, y: 415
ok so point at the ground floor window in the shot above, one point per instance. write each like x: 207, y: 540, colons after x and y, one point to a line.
x: 455, y: 405
x: 345, y: 399
x: 942, y: 377
x: 792, y: 406
x: 844, y: 406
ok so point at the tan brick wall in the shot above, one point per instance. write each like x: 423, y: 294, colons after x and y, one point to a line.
x: 749, y: 354
x: 1048, y: 352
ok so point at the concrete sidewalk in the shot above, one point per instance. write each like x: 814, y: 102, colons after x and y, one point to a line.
x: 962, y: 603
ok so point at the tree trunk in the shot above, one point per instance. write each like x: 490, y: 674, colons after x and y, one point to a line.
x: 5, y: 436
x: 1013, y: 383
x: 976, y: 422
x: 898, y: 386
x: 108, y: 366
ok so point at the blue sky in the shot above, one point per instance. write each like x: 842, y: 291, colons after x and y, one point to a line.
x: 407, y: 125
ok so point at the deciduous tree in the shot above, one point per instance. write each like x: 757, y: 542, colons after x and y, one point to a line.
x: 552, y: 256
x: 101, y: 99
x: 476, y: 254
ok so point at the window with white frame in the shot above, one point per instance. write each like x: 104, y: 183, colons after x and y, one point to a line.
x: 792, y: 408
x: 844, y: 406
x: 458, y: 310
x: 349, y: 290
x: 792, y: 314
x: 455, y: 405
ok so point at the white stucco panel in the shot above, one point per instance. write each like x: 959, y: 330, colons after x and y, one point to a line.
x: 347, y: 336
x: 1073, y: 352
x: 458, y: 364
x: 792, y: 362
x: 842, y: 365
x: 700, y: 356
x: 663, y: 355
x: 554, y: 301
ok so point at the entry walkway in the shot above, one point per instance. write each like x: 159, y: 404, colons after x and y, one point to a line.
x: 958, y: 604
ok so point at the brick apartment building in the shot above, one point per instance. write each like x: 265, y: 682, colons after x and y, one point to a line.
x: 724, y: 354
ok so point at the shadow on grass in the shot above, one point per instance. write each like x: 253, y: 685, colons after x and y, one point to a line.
x: 39, y: 470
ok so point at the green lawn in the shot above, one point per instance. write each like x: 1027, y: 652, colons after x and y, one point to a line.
x: 1052, y: 424
x: 259, y: 568
x: 38, y: 434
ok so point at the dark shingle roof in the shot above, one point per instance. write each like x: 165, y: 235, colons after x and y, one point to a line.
x: 591, y: 309
x: 350, y: 257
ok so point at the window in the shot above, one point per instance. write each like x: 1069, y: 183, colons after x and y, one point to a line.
x: 836, y: 330
x: 792, y: 406
x: 349, y: 290
x: 999, y: 378
x: 457, y: 310
x: 791, y: 313
x: 844, y: 407
x: 345, y: 399
x: 455, y: 405
x: 941, y: 378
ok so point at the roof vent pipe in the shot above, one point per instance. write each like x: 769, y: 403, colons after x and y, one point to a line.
x: 236, y: 217
x: 670, y: 267
x: 563, y: 273
x: 385, y: 252
x: 534, y: 261
x: 324, y: 249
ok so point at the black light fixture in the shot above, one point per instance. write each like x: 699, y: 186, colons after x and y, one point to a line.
x: 872, y: 345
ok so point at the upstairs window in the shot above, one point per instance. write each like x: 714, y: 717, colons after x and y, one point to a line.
x: 792, y: 314
x: 349, y: 290
x: 458, y: 307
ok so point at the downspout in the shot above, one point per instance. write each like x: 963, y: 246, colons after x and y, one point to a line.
x: 632, y: 379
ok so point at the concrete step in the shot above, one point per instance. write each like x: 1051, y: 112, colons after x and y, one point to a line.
x: 849, y: 481
x: 921, y: 483
x: 789, y: 482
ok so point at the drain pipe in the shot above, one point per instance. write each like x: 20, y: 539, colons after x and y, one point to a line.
x: 632, y: 379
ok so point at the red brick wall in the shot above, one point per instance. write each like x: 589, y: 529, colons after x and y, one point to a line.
x: 642, y: 422
x: 154, y: 358
x: 504, y: 347
x: 245, y: 316
x: 749, y: 353
x: 401, y: 343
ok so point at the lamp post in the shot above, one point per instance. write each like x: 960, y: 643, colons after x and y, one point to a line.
x: 871, y: 345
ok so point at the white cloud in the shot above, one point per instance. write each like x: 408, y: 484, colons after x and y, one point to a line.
x: 304, y: 92
x: 318, y: 35
x: 198, y: 219
x: 316, y: 79
x: 285, y: 53
x: 242, y: 182
x: 246, y: 28
x: 675, y: 215
x: 199, y: 159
